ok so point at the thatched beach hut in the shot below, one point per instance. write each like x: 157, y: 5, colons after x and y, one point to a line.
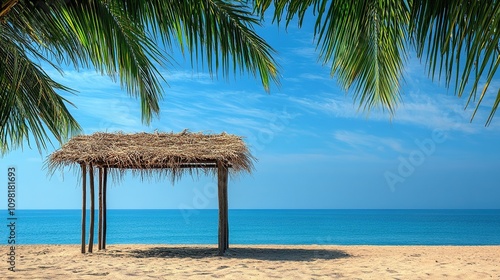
x: 152, y: 154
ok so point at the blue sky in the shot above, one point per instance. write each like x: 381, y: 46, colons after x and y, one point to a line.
x: 314, y: 148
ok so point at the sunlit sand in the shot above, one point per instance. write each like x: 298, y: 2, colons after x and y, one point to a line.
x: 255, y: 262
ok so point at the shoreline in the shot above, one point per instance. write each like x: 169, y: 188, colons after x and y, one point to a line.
x: 168, y: 261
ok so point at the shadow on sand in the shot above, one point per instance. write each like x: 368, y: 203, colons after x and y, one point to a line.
x: 269, y: 254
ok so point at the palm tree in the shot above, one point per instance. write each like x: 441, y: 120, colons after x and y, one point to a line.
x: 118, y: 38
x: 367, y: 43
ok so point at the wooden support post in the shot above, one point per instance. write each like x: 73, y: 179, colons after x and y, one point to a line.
x: 92, y: 208
x: 104, y: 209
x: 99, y: 223
x: 226, y: 212
x: 84, y: 203
x: 223, y: 218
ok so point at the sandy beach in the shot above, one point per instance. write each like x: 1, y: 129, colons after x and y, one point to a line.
x: 254, y: 262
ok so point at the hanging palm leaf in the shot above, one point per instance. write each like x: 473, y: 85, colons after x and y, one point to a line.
x: 119, y: 39
x: 366, y: 43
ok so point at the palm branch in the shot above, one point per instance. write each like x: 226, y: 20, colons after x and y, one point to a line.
x: 119, y: 39
x: 366, y: 43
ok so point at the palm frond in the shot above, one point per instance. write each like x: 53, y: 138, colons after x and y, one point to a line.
x: 120, y: 38
x: 112, y: 44
x: 365, y: 43
x: 217, y: 32
x: 460, y: 41
x: 29, y: 101
x: 93, y: 34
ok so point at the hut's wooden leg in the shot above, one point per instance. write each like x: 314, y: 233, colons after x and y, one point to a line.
x: 99, y: 223
x: 84, y: 203
x: 222, y: 193
x: 104, y: 209
x: 92, y: 208
x: 226, y: 213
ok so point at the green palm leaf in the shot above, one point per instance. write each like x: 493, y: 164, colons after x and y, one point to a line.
x: 29, y: 102
x: 217, y: 32
x: 460, y: 40
x: 366, y: 43
x: 120, y: 39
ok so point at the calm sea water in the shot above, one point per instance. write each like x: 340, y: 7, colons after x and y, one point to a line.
x: 347, y: 227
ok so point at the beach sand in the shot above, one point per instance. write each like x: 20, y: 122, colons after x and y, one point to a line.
x: 253, y: 262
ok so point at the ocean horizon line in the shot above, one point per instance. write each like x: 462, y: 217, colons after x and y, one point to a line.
x: 306, y: 209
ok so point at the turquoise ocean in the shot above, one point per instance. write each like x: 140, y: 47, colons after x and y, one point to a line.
x: 339, y: 227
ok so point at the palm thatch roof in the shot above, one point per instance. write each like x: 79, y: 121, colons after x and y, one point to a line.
x: 146, y: 153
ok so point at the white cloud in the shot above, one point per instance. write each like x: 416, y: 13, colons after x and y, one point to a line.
x: 310, y: 76
x: 222, y: 110
x: 84, y: 80
x: 327, y: 104
x: 433, y: 112
x: 187, y: 76
x: 305, y: 52
x: 363, y: 140
x: 436, y: 112
x: 110, y: 114
x: 99, y: 104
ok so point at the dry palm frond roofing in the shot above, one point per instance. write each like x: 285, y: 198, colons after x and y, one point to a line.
x: 172, y: 153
